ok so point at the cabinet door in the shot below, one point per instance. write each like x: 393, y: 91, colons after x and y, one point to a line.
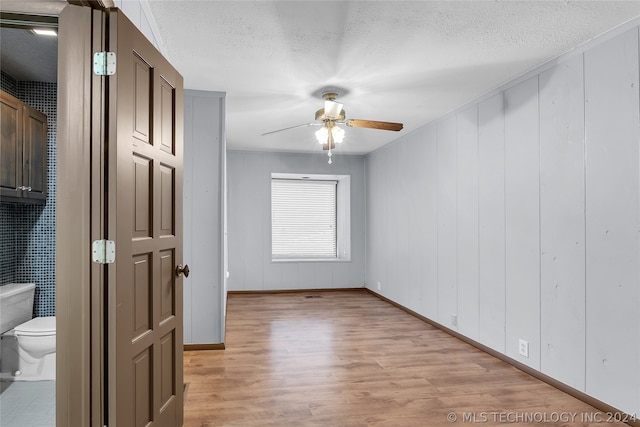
x: 34, y: 172
x: 10, y: 145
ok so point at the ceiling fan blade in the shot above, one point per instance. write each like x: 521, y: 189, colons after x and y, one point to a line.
x: 371, y: 124
x: 292, y: 127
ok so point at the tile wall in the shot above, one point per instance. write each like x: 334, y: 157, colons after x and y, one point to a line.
x: 27, y: 232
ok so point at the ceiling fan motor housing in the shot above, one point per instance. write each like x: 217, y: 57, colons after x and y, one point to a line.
x: 320, y: 115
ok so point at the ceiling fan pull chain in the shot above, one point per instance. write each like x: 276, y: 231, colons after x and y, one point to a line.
x: 329, y: 154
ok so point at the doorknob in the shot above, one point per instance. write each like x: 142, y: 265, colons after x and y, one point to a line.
x: 182, y: 270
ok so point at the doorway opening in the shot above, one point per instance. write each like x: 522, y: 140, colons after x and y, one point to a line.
x: 28, y: 73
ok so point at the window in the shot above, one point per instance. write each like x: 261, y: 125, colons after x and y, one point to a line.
x: 309, y: 217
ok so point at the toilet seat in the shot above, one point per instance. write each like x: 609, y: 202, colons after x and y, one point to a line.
x: 38, y: 326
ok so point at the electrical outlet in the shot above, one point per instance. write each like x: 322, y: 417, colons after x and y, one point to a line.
x: 523, y: 348
x: 454, y: 320
x: 379, y: 286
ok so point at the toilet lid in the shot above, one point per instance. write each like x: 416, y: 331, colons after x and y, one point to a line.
x: 37, y: 325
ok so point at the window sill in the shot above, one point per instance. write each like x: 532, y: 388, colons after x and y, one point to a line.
x: 312, y: 260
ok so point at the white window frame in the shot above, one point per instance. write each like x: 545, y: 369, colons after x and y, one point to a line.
x: 343, y: 215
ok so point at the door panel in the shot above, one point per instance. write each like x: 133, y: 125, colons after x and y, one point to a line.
x: 145, y: 220
x: 167, y: 299
x: 141, y: 100
x: 143, y: 292
x: 167, y: 100
x: 167, y: 198
x: 167, y: 363
x: 142, y: 197
x: 143, y: 375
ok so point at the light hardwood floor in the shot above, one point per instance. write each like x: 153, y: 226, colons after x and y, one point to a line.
x: 347, y: 358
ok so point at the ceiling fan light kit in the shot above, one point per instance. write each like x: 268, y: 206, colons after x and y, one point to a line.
x: 332, y: 115
x: 337, y: 134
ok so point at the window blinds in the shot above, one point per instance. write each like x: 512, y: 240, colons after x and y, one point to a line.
x: 303, y: 218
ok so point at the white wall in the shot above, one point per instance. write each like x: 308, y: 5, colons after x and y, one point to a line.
x: 249, y: 223
x: 523, y: 211
x: 203, y: 210
x: 139, y: 13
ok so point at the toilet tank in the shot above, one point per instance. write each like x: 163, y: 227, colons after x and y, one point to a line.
x: 16, y: 304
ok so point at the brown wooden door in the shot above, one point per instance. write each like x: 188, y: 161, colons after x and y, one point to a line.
x: 145, y: 158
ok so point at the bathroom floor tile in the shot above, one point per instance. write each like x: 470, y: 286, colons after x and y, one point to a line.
x: 27, y: 404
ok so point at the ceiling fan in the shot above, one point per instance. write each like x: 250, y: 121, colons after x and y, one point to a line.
x: 331, y: 117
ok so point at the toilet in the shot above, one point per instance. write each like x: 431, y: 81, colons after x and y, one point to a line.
x: 27, y: 345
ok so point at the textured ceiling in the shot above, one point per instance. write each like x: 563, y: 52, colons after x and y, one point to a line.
x: 27, y: 56
x: 403, y: 61
x: 23, y: 54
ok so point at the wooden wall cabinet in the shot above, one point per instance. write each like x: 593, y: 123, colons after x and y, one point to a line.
x: 23, y: 152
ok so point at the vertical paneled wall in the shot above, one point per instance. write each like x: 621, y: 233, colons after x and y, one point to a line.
x: 562, y: 222
x: 612, y: 213
x: 491, y: 223
x: 524, y: 210
x: 467, y: 222
x: 204, y: 152
x: 249, y: 222
x: 447, y: 222
x: 428, y: 248
x: 522, y: 220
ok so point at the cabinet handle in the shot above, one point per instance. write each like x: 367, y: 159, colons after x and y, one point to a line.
x: 23, y: 188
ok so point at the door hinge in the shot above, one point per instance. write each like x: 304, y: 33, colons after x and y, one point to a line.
x: 104, y: 63
x: 103, y: 251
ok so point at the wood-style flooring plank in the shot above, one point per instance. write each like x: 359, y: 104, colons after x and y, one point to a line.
x: 349, y: 359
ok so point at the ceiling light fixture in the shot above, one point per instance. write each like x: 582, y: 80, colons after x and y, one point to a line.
x: 333, y: 113
x: 44, y: 32
x: 329, y: 135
